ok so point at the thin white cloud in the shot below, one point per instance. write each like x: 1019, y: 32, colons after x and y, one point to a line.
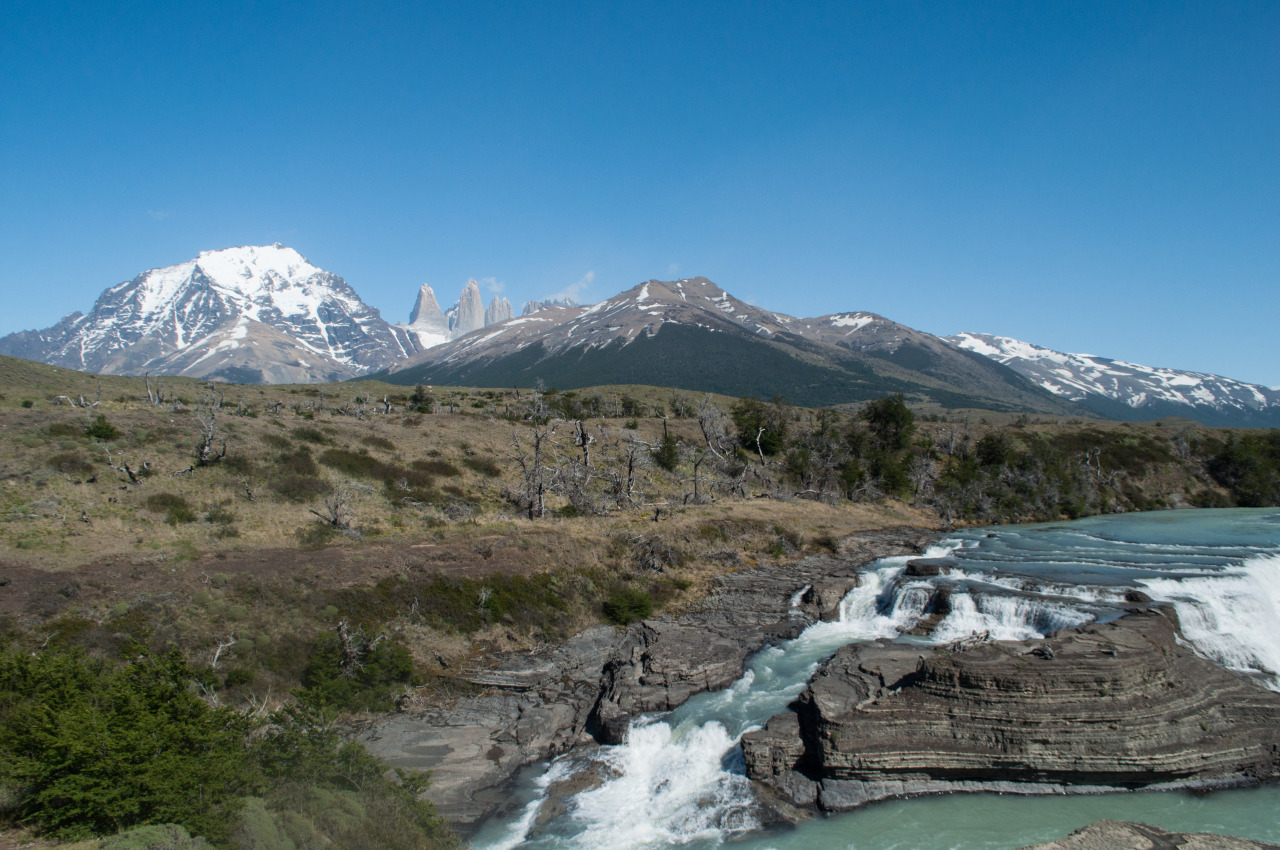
x: 159, y: 215
x: 575, y: 290
x: 492, y: 284
x: 673, y: 269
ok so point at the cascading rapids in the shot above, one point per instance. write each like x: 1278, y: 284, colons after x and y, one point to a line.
x: 678, y: 781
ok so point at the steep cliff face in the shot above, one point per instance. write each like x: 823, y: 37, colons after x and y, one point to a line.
x: 1120, y: 705
x: 468, y: 314
x: 499, y: 310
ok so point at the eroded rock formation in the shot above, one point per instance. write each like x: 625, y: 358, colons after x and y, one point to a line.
x: 1121, y: 705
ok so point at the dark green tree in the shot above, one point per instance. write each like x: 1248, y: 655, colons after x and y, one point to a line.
x: 891, y: 422
x: 667, y: 454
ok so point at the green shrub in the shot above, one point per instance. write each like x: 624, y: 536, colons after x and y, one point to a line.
x: 101, y: 429
x: 301, y: 488
x: 311, y: 435
x: 363, y: 686
x: 437, y: 467
x: 483, y: 465
x: 377, y: 442
x: 628, y: 604
x: 93, y: 748
x: 173, y: 506
x: 72, y: 463
x: 667, y: 455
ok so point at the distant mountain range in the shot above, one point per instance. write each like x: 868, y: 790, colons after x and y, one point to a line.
x: 693, y: 335
x: 1115, y: 389
x: 266, y: 315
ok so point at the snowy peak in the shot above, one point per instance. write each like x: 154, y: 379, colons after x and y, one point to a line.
x: 1087, y: 378
x: 189, y: 318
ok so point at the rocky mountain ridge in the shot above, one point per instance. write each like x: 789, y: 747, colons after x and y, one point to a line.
x: 692, y: 334
x: 1120, y: 390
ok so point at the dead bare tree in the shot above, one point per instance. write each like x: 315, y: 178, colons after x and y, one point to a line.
x: 534, y: 460
x: 583, y: 440
x: 207, y: 421
x: 338, y: 511
x: 714, y: 424
x: 697, y: 456
x: 122, y: 466
x: 222, y: 646
x: 534, y: 466
x: 353, y: 647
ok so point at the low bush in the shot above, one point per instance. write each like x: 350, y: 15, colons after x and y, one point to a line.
x: 483, y: 465
x: 437, y: 467
x: 311, y: 435
x: 298, y: 463
x: 627, y: 605
x: 101, y: 429
x: 173, y: 506
x: 72, y: 463
x: 376, y: 442
x: 301, y: 489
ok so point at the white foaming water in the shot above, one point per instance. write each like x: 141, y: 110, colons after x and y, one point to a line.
x: 1232, y: 619
x: 1005, y: 618
x: 517, y: 830
x: 671, y: 789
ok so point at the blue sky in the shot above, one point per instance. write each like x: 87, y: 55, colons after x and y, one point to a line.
x: 1097, y: 177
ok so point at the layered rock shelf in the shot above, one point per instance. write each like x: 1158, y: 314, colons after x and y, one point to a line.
x: 1117, y: 706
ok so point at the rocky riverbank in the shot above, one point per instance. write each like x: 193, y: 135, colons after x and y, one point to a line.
x: 1114, y: 706
x: 539, y: 705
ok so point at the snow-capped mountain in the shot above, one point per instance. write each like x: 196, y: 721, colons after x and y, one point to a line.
x: 1121, y: 390
x: 248, y: 314
x: 692, y: 334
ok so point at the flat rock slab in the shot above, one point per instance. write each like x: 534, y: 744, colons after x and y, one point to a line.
x: 1119, y: 835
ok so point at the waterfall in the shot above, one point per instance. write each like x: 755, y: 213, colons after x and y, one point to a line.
x: 1232, y: 619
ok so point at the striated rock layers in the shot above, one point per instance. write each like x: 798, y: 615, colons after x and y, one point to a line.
x: 1119, y: 835
x: 1117, y: 706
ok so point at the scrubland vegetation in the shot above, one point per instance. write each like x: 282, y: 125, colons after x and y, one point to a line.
x: 202, y: 587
